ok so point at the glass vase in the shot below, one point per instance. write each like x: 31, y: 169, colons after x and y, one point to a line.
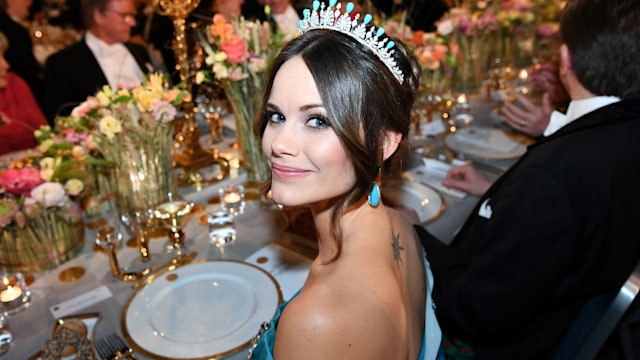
x: 244, y: 96
x: 44, y: 242
x: 143, y: 174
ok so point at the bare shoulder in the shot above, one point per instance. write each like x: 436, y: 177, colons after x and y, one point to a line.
x: 337, y: 323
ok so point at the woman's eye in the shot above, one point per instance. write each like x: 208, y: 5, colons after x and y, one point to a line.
x: 274, y: 117
x: 318, y: 122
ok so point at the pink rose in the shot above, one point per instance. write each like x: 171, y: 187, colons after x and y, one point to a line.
x: 83, y: 109
x: 235, y: 48
x: 20, y: 181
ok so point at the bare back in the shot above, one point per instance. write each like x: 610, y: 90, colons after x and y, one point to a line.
x: 369, y: 303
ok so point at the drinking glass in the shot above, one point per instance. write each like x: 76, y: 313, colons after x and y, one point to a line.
x: 222, y: 228
x: 6, y: 338
x: 14, y: 293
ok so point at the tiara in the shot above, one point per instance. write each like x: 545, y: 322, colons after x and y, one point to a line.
x: 322, y: 17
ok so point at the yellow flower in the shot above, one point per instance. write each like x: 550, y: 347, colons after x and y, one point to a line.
x: 110, y: 126
x: 144, y: 99
x: 74, y: 187
x: 103, y: 98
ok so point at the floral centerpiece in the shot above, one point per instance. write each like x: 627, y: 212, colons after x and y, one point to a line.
x: 469, y: 33
x: 239, y: 52
x: 133, y: 128
x: 41, y: 221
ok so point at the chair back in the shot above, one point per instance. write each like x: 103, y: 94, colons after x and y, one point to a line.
x: 596, y: 320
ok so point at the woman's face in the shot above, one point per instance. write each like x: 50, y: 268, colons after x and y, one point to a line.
x: 307, y: 159
x: 4, y: 67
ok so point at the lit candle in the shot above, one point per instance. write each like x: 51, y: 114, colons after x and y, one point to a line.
x: 10, y: 294
x: 231, y: 197
x: 462, y: 99
x: 523, y: 75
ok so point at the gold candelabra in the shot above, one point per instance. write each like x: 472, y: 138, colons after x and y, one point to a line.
x: 190, y: 155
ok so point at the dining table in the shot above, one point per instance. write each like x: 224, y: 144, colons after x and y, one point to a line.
x: 266, y: 240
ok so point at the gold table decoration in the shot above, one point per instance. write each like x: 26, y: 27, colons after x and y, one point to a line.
x: 191, y: 155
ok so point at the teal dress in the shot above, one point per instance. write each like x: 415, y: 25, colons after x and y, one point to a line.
x: 262, y: 344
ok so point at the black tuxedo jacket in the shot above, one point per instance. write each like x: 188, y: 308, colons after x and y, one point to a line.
x: 557, y: 228
x: 73, y: 73
x: 20, y: 56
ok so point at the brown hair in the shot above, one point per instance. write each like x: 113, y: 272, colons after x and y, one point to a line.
x: 359, y: 93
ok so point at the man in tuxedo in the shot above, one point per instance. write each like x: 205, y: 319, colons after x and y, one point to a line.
x: 554, y: 230
x: 20, y: 51
x: 102, y: 57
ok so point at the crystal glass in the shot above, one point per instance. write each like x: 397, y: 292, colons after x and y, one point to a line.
x: 6, y: 338
x: 222, y: 229
x: 14, y: 293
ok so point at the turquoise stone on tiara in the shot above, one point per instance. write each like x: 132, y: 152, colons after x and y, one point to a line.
x: 329, y: 17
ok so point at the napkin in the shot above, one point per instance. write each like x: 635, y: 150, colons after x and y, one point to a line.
x: 288, y: 267
x: 432, y: 174
x: 486, y: 138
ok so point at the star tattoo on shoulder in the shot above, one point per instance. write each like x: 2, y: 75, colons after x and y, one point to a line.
x: 397, y: 248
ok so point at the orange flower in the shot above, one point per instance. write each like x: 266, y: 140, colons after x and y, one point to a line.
x: 221, y: 27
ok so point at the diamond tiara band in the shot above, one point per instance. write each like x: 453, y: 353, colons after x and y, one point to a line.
x: 330, y: 18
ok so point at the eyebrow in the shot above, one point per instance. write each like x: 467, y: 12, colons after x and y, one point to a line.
x: 302, y: 108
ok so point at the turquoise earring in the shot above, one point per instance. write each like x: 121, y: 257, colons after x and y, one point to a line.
x: 374, y: 195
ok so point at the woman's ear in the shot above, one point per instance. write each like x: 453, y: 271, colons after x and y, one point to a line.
x: 391, y: 141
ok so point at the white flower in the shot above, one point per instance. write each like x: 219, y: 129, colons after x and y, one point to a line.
x: 49, y: 194
x: 74, y: 187
x: 110, y: 126
x: 220, y: 71
x: 445, y: 27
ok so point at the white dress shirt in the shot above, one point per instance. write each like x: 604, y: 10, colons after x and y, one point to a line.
x: 576, y: 109
x: 118, y: 65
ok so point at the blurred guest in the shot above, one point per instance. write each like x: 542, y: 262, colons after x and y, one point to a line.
x: 420, y: 14
x: 13, y: 14
x: 537, y: 120
x: 18, y: 109
x: 284, y: 15
x: 553, y: 231
x: 155, y: 32
x: 102, y: 57
x: 229, y: 8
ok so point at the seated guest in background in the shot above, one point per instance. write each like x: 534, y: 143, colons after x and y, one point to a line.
x: 156, y: 33
x: 102, y: 57
x: 17, y: 107
x: 20, y: 52
x: 284, y: 15
x: 334, y: 114
x: 537, y: 120
x: 554, y: 230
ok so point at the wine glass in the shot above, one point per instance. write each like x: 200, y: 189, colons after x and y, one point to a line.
x: 174, y: 214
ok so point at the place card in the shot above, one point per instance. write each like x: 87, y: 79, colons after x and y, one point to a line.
x: 80, y: 302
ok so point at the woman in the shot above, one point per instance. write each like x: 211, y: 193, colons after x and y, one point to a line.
x: 18, y: 107
x: 333, y: 114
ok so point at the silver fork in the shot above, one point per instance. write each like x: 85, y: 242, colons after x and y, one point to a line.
x: 112, y: 347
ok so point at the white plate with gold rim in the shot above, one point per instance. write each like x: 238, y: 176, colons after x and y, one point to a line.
x: 488, y: 143
x: 427, y: 202
x: 204, y: 310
